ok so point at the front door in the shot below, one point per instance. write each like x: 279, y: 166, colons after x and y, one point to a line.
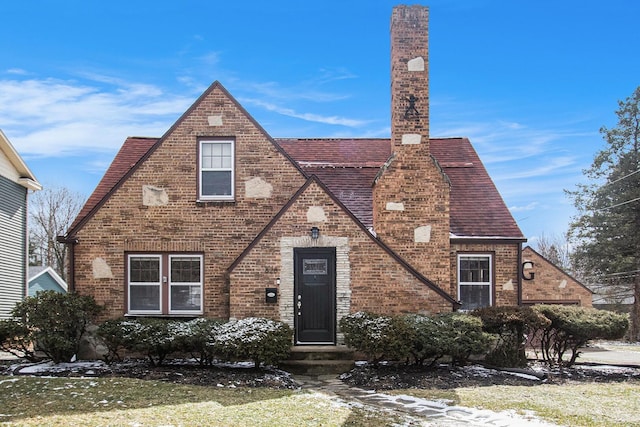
x: 315, y: 295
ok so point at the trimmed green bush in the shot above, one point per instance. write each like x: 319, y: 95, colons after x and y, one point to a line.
x: 195, y: 337
x: 511, y: 325
x: 428, y: 340
x: 378, y: 337
x: 421, y: 338
x: 256, y: 339
x: 55, y: 322
x: 572, y: 327
x: 464, y: 336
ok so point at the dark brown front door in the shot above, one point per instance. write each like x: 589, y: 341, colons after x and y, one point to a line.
x: 315, y: 295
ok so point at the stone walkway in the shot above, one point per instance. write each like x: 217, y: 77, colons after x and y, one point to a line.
x: 415, y: 410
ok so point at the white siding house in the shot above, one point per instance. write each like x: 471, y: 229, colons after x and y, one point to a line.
x: 15, y: 182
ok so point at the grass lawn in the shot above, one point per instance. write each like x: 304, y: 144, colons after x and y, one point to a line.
x: 38, y: 401
x: 575, y: 404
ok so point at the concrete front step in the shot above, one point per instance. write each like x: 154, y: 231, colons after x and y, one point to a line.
x: 317, y: 367
x: 319, y: 360
x: 321, y: 352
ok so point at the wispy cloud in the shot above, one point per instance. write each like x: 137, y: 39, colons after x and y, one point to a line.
x: 311, y: 117
x: 52, y: 117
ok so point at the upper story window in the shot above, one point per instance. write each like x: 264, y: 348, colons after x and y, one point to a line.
x: 475, y: 283
x: 216, y: 171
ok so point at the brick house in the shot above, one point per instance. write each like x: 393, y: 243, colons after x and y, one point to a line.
x: 546, y: 283
x: 217, y: 218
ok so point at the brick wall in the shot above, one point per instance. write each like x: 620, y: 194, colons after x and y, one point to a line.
x: 505, y: 269
x: 550, y: 284
x: 411, y: 197
x: 220, y: 231
x: 368, y: 278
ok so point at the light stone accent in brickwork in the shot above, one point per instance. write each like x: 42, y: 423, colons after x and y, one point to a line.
x: 422, y: 234
x: 416, y: 64
x: 316, y: 214
x: 101, y: 269
x: 563, y: 284
x: 395, y: 206
x: 508, y: 286
x: 257, y: 188
x: 154, y: 196
x: 411, y: 139
x: 215, y: 120
x: 343, y: 275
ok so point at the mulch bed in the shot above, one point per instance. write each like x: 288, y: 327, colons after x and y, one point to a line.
x: 384, y: 377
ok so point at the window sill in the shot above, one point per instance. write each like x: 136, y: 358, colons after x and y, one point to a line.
x: 165, y: 316
x: 219, y: 202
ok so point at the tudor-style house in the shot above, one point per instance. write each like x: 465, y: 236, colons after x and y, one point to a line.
x: 217, y: 218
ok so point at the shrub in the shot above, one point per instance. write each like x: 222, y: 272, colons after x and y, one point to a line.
x: 463, y: 336
x: 156, y: 338
x: 571, y: 327
x: 511, y: 325
x: 117, y: 335
x: 428, y: 339
x: 195, y: 337
x: 56, y: 322
x: 377, y: 337
x: 260, y: 340
x: 15, y: 338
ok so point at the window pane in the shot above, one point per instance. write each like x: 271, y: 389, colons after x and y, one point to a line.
x: 185, y: 297
x: 185, y: 269
x: 216, y: 183
x: 474, y: 269
x: 144, y: 297
x: 144, y: 270
x: 474, y: 296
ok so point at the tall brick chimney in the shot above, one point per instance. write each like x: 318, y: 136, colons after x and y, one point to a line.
x: 411, y: 193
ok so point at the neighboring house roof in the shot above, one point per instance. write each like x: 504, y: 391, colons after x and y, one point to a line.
x: 533, y: 251
x: 348, y: 168
x: 23, y: 176
x: 45, y: 278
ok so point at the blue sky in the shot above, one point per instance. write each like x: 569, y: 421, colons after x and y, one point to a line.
x: 530, y: 83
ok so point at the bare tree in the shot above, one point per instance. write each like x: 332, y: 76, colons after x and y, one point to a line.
x: 556, y: 248
x: 51, y: 213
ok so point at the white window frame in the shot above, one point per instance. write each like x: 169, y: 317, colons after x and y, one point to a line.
x: 201, y: 169
x: 200, y: 283
x: 130, y: 284
x: 488, y: 283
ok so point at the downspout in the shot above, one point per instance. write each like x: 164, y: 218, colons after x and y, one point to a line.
x: 520, y: 272
x: 71, y: 243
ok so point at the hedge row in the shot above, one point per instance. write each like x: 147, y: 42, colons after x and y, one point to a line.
x: 419, y: 339
x: 260, y: 340
x: 498, y: 334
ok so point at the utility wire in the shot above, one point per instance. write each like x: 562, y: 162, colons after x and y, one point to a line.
x: 616, y: 205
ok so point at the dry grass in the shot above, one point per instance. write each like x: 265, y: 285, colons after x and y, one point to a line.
x: 574, y: 404
x: 63, y: 402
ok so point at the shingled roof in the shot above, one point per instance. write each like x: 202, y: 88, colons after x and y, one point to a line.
x: 348, y: 167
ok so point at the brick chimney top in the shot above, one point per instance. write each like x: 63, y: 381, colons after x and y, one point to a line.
x: 410, y: 77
